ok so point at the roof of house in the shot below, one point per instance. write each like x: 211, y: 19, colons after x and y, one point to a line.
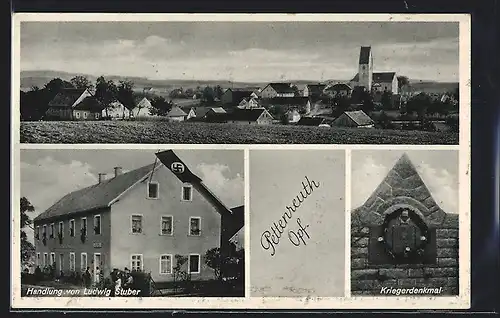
x: 238, y: 95
x: 310, y: 121
x: 247, y: 114
x: 338, y: 87
x: 66, y: 97
x: 364, y: 54
x: 95, y: 196
x: 282, y: 87
x: 359, y: 117
x: 378, y: 77
x: 176, y: 112
x: 218, y: 110
x: 236, y: 222
x: 104, y: 194
x: 89, y: 103
x: 316, y: 88
x: 286, y: 101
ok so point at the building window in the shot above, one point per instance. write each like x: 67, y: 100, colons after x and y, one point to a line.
x: 83, y: 227
x: 167, y: 222
x: 45, y: 259
x: 96, y: 115
x: 97, y: 224
x: 71, y: 228
x: 38, y: 260
x: 52, y: 259
x: 44, y: 231
x: 83, y: 262
x: 136, y: 262
x: 153, y: 190
x: 77, y: 114
x: 136, y: 224
x: 187, y: 192
x: 61, y: 262
x: 61, y: 229
x: 195, y: 226
x: 84, y: 115
x: 51, y: 230
x: 166, y: 264
x: 72, y: 262
x: 194, y: 263
x: 37, y: 232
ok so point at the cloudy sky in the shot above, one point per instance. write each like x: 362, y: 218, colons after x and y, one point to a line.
x: 47, y: 175
x: 437, y: 168
x: 275, y: 179
x: 241, y: 51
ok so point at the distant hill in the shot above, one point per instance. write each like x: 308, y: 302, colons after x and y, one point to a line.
x: 40, y: 78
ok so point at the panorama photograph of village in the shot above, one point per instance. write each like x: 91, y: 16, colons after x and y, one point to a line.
x: 239, y: 82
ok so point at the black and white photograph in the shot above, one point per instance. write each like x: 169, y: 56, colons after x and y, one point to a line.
x: 239, y: 82
x: 404, y: 226
x: 297, y: 223
x: 132, y: 223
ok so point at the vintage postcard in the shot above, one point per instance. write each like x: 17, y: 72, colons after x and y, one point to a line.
x: 240, y: 161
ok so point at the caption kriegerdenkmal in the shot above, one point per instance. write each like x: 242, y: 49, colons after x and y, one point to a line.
x: 271, y: 238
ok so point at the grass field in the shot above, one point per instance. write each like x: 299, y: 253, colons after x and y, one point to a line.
x: 158, y: 132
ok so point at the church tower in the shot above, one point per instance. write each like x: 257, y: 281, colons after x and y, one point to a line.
x: 365, y: 67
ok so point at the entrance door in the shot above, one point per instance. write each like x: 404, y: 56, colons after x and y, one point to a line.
x: 97, y: 266
x: 61, y: 262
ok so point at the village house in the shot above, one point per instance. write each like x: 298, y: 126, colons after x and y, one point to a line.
x: 138, y: 220
x: 338, y: 90
x: 292, y: 116
x: 176, y: 114
x: 232, y: 96
x: 215, y: 115
x: 74, y: 104
x: 274, y: 90
x: 116, y: 111
x: 358, y: 119
x: 249, y: 102
x: 190, y: 111
x: 311, y: 121
x: 300, y: 103
x: 141, y: 108
x: 314, y: 91
x: 386, y: 81
x: 256, y: 116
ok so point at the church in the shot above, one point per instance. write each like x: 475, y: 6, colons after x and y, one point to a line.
x: 373, y: 82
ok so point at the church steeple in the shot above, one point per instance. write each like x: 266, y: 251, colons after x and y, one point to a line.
x: 366, y: 67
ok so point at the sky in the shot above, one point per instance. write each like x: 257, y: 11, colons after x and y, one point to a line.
x: 437, y: 168
x: 275, y: 179
x: 241, y: 51
x: 48, y: 175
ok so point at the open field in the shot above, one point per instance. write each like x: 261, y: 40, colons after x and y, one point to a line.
x: 158, y: 132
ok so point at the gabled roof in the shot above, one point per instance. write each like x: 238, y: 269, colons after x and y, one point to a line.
x: 234, y: 223
x: 96, y: 196
x: 384, y: 76
x: 286, y: 101
x: 104, y: 194
x: 338, y: 87
x: 247, y: 114
x: 67, y: 97
x: 316, y: 88
x: 218, y: 110
x: 364, y: 54
x: 359, y: 117
x: 281, y: 87
x: 176, y: 112
x: 89, y: 103
x: 310, y: 121
x: 378, y: 77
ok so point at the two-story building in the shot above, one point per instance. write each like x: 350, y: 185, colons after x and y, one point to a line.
x: 273, y: 90
x: 138, y: 220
